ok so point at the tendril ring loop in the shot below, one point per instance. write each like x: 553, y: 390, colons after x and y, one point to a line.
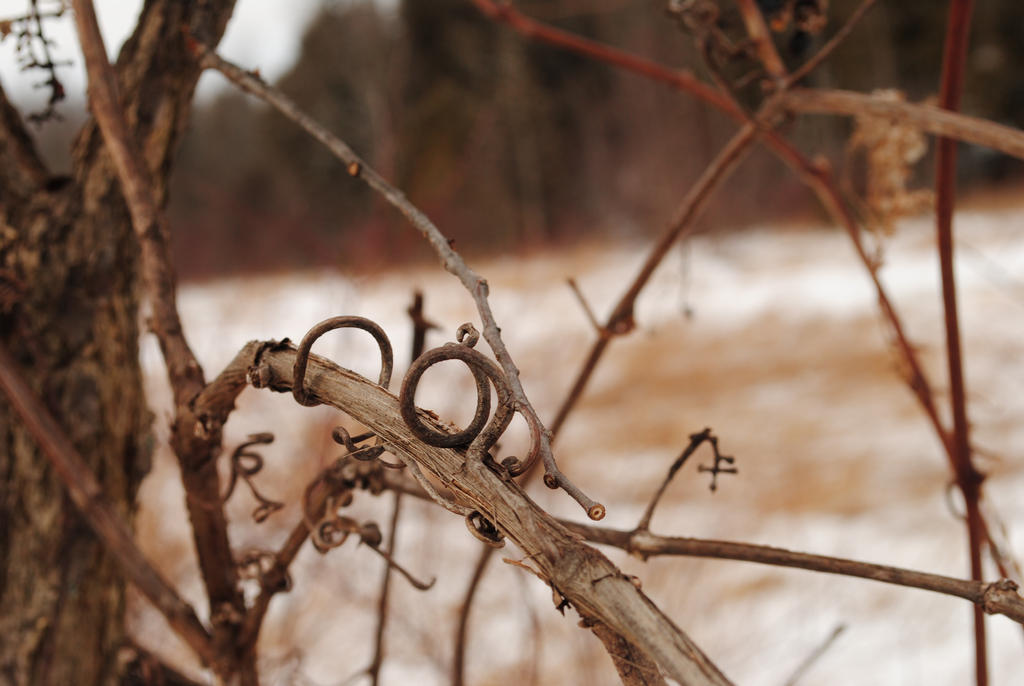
x: 302, y: 355
x: 480, y: 438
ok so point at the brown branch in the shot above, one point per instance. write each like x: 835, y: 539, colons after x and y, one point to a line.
x: 87, y: 495
x: 933, y: 120
x: 194, y: 443
x: 758, y: 31
x: 695, y: 442
x: 1000, y: 597
x: 968, y: 478
x: 587, y: 579
x: 452, y: 261
x: 584, y: 305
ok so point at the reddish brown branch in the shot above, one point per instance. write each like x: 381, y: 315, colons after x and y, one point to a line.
x: 87, y: 495
x: 816, y: 177
x: 680, y: 79
x: 967, y: 476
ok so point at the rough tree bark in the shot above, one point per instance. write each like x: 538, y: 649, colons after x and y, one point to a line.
x: 68, y: 313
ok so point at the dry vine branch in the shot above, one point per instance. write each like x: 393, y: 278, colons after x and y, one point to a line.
x: 452, y: 261
x: 583, y: 576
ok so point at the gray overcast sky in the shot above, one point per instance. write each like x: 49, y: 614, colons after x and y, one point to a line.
x: 262, y: 34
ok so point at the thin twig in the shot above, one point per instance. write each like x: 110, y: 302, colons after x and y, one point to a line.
x: 815, y: 655
x: 574, y: 287
x: 968, y: 478
x: 452, y: 261
x: 385, y: 586
x: 86, y: 493
x: 829, y: 47
x: 621, y: 321
x: 680, y: 79
x: 695, y: 442
x: 999, y: 597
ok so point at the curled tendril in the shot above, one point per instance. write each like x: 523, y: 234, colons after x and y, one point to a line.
x: 334, y: 529
x: 364, y: 453
x: 467, y: 335
x: 246, y: 465
x: 302, y: 355
x: 480, y: 435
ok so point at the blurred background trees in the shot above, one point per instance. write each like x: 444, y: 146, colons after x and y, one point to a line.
x: 508, y: 142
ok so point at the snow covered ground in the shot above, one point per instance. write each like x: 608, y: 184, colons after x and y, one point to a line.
x: 770, y: 337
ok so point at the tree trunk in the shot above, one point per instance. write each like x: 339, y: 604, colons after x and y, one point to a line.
x: 68, y: 313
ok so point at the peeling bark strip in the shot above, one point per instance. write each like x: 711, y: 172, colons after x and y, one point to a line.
x: 581, y: 574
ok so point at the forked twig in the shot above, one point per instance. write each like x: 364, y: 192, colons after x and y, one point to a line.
x: 696, y: 440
